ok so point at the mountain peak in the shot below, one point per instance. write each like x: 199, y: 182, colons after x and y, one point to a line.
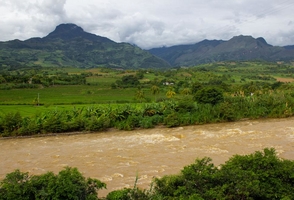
x: 66, y: 31
x: 71, y: 31
x: 68, y: 28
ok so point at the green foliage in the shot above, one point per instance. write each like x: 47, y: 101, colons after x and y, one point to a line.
x: 186, y: 106
x: 10, y: 123
x: 130, y: 194
x: 67, y: 184
x: 205, y: 94
x: 128, y: 81
x: 211, y: 95
x: 261, y: 175
x: 16, y: 186
x: 171, y: 113
x: 172, y: 120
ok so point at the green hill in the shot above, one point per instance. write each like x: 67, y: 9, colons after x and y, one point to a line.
x: 239, y: 48
x: 70, y: 45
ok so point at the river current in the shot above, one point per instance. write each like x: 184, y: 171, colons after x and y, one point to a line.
x: 117, y: 157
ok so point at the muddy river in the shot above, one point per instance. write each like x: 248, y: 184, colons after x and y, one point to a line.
x: 115, y: 157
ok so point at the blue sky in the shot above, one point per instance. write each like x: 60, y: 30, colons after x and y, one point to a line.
x: 152, y: 23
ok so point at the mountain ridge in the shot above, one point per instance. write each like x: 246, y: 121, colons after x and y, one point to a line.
x: 238, y: 48
x: 70, y: 45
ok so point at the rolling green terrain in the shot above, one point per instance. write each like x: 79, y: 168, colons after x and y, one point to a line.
x: 69, y: 45
x: 238, y: 48
x: 59, y: 86
x: 51, y: 100
x: 46, y: 100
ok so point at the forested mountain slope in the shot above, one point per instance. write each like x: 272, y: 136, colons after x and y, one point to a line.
x: 239, y: 48
x: 70, y: 45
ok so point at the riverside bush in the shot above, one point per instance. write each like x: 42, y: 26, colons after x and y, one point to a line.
x: 130, y: 116
x: 67, y: 184
x: 261, y: 175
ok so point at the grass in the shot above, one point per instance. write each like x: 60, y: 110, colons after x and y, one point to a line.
x: 71, y: 94
x: 66, y: 97
x: 98, y: 88
x: 30, y: 110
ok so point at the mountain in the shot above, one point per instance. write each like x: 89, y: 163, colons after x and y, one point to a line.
x: 70, y: 45
x: 239, y: 48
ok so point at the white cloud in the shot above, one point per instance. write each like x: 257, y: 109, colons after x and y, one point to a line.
x: 152, y: 23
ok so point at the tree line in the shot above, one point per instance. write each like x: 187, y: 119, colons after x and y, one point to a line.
x: 14, y: 80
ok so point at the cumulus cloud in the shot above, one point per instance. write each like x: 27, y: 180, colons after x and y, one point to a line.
x: 23, y: 19
x: 152, y: 23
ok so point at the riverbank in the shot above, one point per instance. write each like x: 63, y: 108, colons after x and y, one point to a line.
x: 117, y: 156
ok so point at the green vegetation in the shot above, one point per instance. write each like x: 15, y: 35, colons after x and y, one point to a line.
x: 130, y: 99
x: 67, y: 184
x: 260, y: 175
x: 68, y: 45
x: 238, y: 48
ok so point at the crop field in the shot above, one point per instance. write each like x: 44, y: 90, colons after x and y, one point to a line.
x: 98, y: 85
x: 65, y: 97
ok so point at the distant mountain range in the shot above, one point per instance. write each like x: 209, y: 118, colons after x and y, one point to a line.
x: 239, y: 48
x: 70, y: 45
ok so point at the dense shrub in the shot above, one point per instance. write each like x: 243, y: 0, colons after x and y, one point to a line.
x: 172, y: 120
x: 171, y: 113
x: 210, y: 95
x: 67, y: 184
x: 261, y: 175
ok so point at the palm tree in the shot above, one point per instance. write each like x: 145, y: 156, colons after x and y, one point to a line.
x: 155, y: 90
x: 170, y: 93
x: 140, y: 95
x: 186, y: 91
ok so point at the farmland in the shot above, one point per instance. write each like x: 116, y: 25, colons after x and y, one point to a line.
x: 72, y: 99
x: 46, y: 100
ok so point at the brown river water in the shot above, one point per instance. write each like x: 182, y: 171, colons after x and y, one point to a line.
x: 116, y: 157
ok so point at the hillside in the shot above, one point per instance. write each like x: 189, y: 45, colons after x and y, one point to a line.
x: 70, y: 45
x: 239, y: 48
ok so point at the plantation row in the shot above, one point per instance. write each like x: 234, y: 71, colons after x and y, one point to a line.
x: 261, y: 175
x: 207, y: 106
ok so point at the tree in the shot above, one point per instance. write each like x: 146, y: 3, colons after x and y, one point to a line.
x: 67, y: 184
x: 195, y: 87
x: 11, y: 123
x: 15, y: 186
x: 130, y: 81
x: 170, y: 93
x: 210, y: 95
x: 186, y: 91
x: 155, y: 90
x: 261, y: 175
x: 140, y: 95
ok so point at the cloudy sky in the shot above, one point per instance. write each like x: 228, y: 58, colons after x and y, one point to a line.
x: 152, y: 23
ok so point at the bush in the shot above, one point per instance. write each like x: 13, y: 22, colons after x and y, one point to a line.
x: 11, y: 122
x: 210, y: 95
x: 98, y: 123
x: 172, y: 120
x: 68, y: 184
x: 261, y: 175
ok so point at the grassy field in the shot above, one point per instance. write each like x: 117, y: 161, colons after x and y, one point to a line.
x: 75, y: 94
x: 98, y: 88
x: 66, y: 97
